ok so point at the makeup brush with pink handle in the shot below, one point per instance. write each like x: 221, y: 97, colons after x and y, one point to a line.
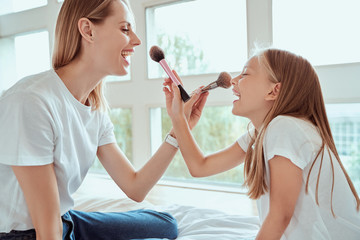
x: 157, y: 54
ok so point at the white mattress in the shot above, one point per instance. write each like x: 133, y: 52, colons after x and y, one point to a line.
x: 193, y: 223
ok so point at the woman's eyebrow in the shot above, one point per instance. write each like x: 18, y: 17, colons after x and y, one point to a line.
x: 129, y: 24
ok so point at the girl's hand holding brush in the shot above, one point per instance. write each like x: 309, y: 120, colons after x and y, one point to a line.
x: 177, y: 109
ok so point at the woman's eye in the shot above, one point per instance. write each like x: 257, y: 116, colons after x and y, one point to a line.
x: 125, y: 30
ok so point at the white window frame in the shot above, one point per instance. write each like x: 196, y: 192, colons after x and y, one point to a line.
x: 340, y: 83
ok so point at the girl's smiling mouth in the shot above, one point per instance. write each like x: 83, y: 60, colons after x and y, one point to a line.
x: 237, y: 94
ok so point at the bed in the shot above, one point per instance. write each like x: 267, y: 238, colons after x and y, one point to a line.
x: 194, y: 223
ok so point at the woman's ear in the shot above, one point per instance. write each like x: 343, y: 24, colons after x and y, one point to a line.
x: 274, y: 92
x: 85, y: 27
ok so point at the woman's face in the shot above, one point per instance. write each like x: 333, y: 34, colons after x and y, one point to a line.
x: 252, y: 88
x: 115, y: 40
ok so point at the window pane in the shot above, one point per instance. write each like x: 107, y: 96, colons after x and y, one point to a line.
x: 325, y: 32
x: 212, y: 134
x: 18, y: 60
x: 211, y: 38
x: 122, y: 119
x: 118, y: 78
x: 10, y: 6
x: 345, y: 126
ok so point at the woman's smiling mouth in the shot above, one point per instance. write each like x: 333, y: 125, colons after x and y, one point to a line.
x: 127, y: 53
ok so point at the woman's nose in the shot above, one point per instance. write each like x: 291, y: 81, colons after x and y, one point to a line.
x: 135, y: 40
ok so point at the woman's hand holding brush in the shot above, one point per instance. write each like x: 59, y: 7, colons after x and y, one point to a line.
x: 177, y: 109
x: 158, y: 55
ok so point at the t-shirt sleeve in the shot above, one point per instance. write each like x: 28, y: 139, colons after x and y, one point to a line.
x: 284, y: 137
x: 245, y: 140
x: 26, y: 130
x: 106, y: 131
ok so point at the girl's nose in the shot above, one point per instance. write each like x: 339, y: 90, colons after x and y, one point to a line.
x: 233, y: 81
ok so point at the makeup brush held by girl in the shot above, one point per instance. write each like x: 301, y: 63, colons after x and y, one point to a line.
x: 223, y: 81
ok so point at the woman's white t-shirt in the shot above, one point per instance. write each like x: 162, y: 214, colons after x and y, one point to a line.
x: 299, y: 141
x: 42, y: 123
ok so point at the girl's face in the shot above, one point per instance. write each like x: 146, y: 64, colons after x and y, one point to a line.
x: 115, y: 40
x: 253, y: 90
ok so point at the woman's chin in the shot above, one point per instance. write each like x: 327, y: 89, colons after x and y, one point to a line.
x: 121, y: 72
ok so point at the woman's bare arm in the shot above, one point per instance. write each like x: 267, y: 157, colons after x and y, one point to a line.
x: 39, y: 186
x: 135, y: 184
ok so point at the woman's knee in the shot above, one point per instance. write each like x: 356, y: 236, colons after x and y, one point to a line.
x: 168, y: 224
x: 172, y: 226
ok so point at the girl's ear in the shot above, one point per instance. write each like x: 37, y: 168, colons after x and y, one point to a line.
x: 274, y: 92
x: 85, y: 27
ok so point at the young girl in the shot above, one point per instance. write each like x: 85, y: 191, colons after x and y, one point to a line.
x: 53, y: 125
x: 291, y: 166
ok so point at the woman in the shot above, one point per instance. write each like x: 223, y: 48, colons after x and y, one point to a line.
x: 290, y: 160
x: 56, y: 124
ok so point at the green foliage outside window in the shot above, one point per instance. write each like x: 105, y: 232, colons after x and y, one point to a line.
x: 217, y: 129
x: 182, y: 53
x: 121, y: 118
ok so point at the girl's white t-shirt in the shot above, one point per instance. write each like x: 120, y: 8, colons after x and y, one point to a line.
x: 42, y: 123
x: 299, y: 141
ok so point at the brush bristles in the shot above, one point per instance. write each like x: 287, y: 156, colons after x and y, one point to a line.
x: 224, y: 80
x: 156, y: 53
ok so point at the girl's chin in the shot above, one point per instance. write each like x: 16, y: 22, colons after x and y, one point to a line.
x: 235, y: 112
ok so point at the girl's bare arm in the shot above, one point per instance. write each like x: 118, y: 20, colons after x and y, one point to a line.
x: 285, y: 186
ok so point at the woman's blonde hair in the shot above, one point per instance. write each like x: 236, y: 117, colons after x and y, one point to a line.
x: 300, y: 96
x: 68, y: 38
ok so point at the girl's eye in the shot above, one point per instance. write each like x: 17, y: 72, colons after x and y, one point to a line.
x: 125, y: 30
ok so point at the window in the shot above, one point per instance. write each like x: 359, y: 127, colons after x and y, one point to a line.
x: 18, y: 60
x: 118, y: 78
x: 122, y: 119
x: 212, y: 134
x: 10, y: 6
x: 211, y: 38
x: 326, y: 32
x: 203, y: 36
x: 217, y: 35
x: 345, y: 126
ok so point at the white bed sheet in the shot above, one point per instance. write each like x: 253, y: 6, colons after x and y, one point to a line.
x: 193, y: 223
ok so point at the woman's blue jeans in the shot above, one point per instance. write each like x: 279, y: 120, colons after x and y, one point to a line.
x: 138, y: 224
